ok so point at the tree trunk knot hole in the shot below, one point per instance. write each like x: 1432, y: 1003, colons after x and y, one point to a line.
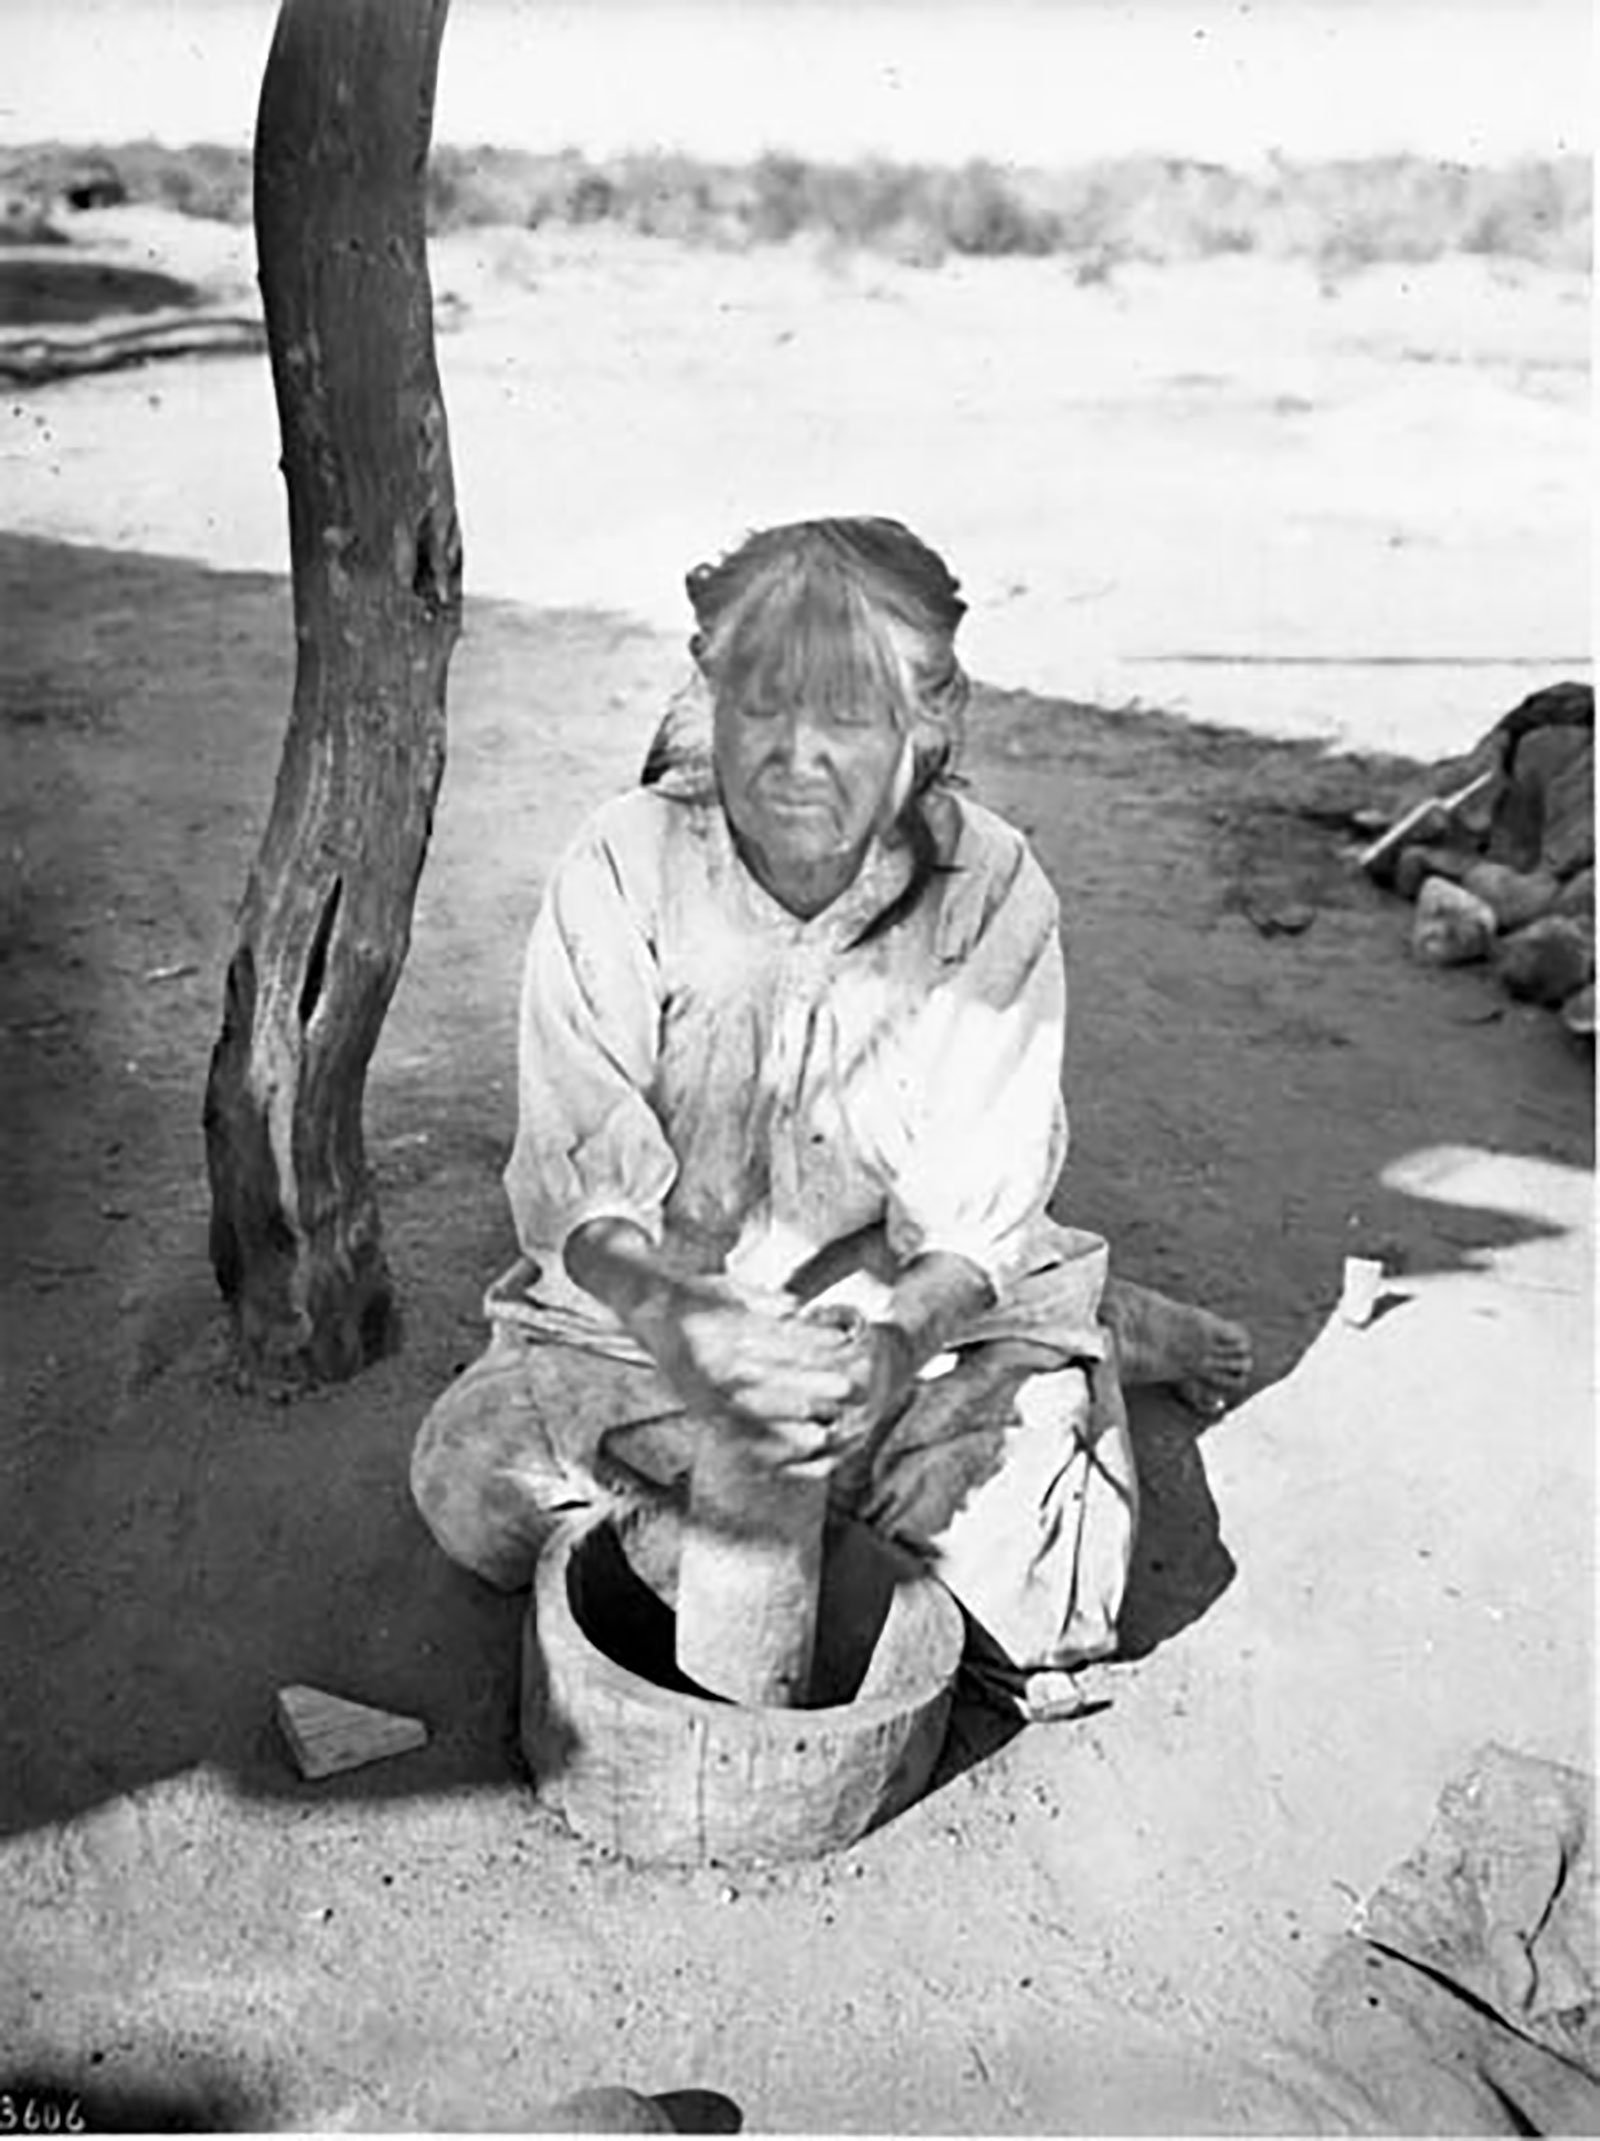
x: 317, y: 957
x: 436, y: 579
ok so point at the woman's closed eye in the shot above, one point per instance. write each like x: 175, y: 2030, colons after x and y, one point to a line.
x: 842, y: 715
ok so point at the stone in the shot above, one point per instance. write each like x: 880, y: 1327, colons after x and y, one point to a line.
x: 1547, y: 962
x: 1452, y: 927
x: 1545, y: 811
x: 1516, y: 897
x: 1523, y: 794
x: 1417, y: 864
x: 1577, y: 1013
x: 1565, y: 771
x: 1576, y: 897
x: 1280, y: 917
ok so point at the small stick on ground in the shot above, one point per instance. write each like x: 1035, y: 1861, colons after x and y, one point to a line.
x: 1386, y: 843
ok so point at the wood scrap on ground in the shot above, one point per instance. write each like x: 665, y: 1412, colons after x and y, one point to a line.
x: 1435, y: 812
x: 29, y: 357
x: 327, y: 1734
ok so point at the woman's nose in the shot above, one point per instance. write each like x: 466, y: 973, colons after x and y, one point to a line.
x: 803, y: 742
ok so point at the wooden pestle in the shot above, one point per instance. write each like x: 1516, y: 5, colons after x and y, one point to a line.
x: 747, y: 1576
x: 749, y: 1569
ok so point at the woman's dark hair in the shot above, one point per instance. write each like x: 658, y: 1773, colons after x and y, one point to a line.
x: 838, y: 611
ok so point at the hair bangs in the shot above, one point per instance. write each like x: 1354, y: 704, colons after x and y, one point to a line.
x: 807, y: 636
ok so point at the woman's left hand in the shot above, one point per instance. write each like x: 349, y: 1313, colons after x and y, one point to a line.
x: 879, y: 1367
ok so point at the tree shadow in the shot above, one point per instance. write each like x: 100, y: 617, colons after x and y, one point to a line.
x: 192, y: 1550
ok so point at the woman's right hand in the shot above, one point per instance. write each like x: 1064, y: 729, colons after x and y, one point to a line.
x: 726, y: 1356
x: 726, y: 1352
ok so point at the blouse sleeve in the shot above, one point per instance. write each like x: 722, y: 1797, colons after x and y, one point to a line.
x: 588, y: 1143
x: 986, y: 1128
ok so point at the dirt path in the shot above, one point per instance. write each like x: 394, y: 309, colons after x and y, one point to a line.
x: 1106, y: 1926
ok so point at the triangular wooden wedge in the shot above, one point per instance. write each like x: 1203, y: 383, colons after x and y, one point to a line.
x: 326, y: 1734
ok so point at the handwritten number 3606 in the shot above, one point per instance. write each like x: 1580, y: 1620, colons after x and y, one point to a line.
x: 40, y: 2115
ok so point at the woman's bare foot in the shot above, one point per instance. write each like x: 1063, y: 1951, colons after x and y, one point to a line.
x: 1206, y: 1359
x: 1221, y: 1360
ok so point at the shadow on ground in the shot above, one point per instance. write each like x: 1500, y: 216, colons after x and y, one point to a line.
x: 1180, y: 1565
x: 55, y: 2102
x: 49, y: 292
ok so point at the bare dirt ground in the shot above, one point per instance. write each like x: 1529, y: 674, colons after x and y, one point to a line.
x: 1384, y: 1559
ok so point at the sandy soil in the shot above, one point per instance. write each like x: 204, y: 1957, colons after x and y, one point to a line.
x: 1363, y: 502
x: 1382, y: 1560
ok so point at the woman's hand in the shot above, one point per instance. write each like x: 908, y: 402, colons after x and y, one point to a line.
x: 722, y: 1355
x: 880, y: 1363
x: 726, y: 1353
x: 867, y: 1370
x: 813, y: 1385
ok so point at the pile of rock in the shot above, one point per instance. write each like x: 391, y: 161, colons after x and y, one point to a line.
x: 1499, y: 855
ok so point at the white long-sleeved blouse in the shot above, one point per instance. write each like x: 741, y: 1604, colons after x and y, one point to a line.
x: 749, y: 1086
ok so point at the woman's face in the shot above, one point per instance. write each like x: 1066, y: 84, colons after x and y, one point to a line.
x: 806, y: 787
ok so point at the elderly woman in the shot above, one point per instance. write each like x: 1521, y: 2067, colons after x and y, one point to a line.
x: 791, y: 1039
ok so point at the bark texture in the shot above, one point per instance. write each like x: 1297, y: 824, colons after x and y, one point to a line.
x: 341, y: 150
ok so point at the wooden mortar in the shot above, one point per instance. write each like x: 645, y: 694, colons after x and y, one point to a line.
x: 638, y: 1761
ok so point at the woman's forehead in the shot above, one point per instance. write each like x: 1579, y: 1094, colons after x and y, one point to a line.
x: 814, y: 638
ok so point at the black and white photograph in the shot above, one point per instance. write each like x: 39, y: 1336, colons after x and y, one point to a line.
x: 797, y: 968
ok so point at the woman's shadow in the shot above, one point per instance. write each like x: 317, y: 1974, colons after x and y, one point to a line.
x: 1180, y: 1565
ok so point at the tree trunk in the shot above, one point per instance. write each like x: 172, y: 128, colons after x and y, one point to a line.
x: 341, y: 150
